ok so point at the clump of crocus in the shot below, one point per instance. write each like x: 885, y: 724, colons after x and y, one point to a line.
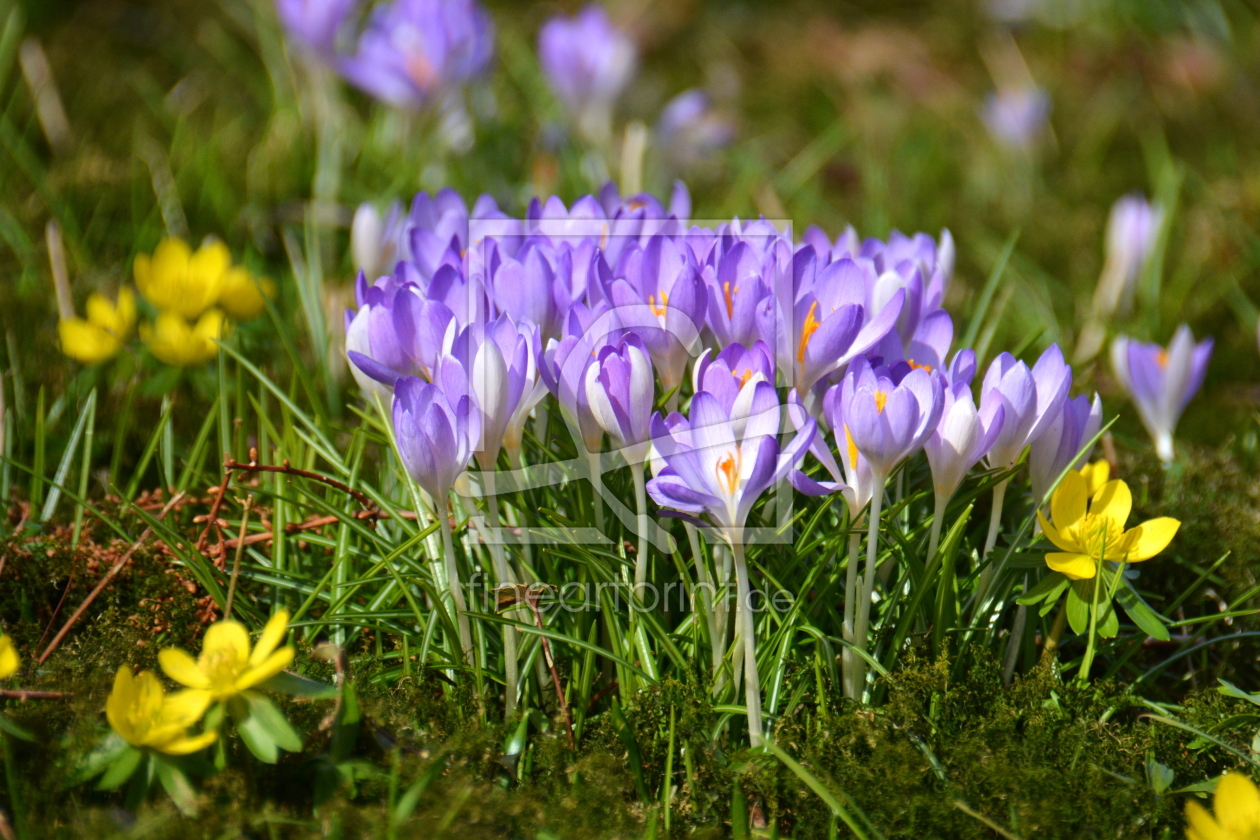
x: 9, y: 660
x: 588, y: 63
x: 1161, y: 381
x: 103, y: 332
x: 1237, y: 806
x: 195, y: 293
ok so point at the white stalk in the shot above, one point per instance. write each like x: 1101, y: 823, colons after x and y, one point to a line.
x: 456, y: 588
x: 863, y: 622
x: 752, y: 688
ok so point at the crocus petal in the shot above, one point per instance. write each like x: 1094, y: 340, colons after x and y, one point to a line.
x: 266, y: 669
x: 1074, y: 566
x: 1152, y: 537
x: 272, y: 635
x: 182, y: 668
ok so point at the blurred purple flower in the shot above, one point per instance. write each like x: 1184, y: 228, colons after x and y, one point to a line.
x: 1016, y: 116
x: 1132, y: 229
x: 689, y: 128
x: 315, y: 24
x: 1161, y: 382
x: 588, y: 63
x: 414, y: 49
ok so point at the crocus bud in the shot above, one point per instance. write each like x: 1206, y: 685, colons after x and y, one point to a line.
x: 1161, y: 382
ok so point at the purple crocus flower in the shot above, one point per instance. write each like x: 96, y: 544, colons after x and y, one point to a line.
x: 436, y: 429
x: 315, y: 24
x: 887, y: 421
x: 1161, y: 382
x: 963, y: 436
x: 734, y: 363
x: 1132, y: 229
x: 1016, y: 116
x: 414, y: 49
x: 689, y: 129
x: 663, y: 299
x: 619, y: 387
x: 396, y: 332
x: 565, y: 361
x: 1059, y: 447
x: 497, y: 357
x: 588, y: 63
x: 1031, y: 399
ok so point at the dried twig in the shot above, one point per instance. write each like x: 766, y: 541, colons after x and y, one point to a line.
x: 104, y: 582
x: 21, y: 694
x: 287, y: 469
x: 236, y: 561
x: 529, y: 594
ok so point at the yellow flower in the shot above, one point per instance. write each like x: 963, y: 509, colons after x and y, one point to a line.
x: 1089, y: 529
x: 226, y: 666
x: 176, y: 342
x: 144, y: 716
x: 9, y: 660
x: 242, y: 296
x: 1237, y: 806
x: 1095, y: 475
x: 101, y: 334
x: 175, y: 279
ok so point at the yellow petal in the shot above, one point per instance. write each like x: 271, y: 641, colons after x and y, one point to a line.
x: 181, y: 667
x: 226, y: 638
x: 1201, y: 825
x: 1113, y: 501
x: 149, y: 698
x: 210, y: 328
x: 86, y: 342
x: 1237, y: 806
x: 174, y: 342
x: 266, y: 669
x: 1054, y: 535
x: 242, y: 296
x: 186, y: 745
x: 119, y: 703
x: 1151, y: 537
x: 9, y: 661
x: 1095, y: 475
x: 164, y: 281
x: 125, y: 312
x: 184, y: 708
x: 271, y: 637
x: 1067, y: 505
x: 1074, y: 566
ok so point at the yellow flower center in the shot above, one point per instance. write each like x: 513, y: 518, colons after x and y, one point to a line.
x: 222, y: 667
x: 727, y: 292
x: 850, y: 447
x: 1097, y: 534
x: 742, y: 378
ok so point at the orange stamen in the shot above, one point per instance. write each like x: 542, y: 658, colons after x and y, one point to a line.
x: 730, y: 304
x: 850, y: 446
x: 742, y: 378
x: 881, y: 399
x: 807, y: 331
x: 658, y: 311
x: 728, y: 472
x: 1161, y: 359
x: 916, y: 366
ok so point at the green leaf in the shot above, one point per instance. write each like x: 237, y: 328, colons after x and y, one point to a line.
x: 1228, y: 689
x: 411, y: 796
x: 1078, y: 605
x: 124, y: 764
x: 296, y: 685
x: 1160, y: 775
x: 176, y: 785
x: 1136, y: 608
x: 632, y: 750
x: 11, y: 727
x: 346, y: 726
x: 1048, y: 589
x: 825, y: 794
x: 1108, y: 620
x: 273, y: 722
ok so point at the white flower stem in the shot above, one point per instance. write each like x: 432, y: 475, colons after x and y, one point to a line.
x: 850, y: 604
x: 743, y: 608
x: 456, y: 588
x: 705, y: 592
x: 938, y: 519
x: 503, y: 572
x: 863, y: 622
x: 995, y: 526
x: 597, y: 488
x: 640, y: 505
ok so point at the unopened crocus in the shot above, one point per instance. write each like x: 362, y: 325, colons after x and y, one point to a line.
x: 963, y: 436
x: 1032, y: 400
x: 718, y: 463
x: 412, y: 51
x: 1016, y: 116
x: 588, y: 63
x: 395, y: 332
x: 101, y: 334
x: 1161, y: 382
x: 1060, y: 446
x: 690, y: 129
x: 436, y: 429
x: 1132, y: 230
x: 175, y: 341
x: 314, y: 25
x: 145, y: 716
